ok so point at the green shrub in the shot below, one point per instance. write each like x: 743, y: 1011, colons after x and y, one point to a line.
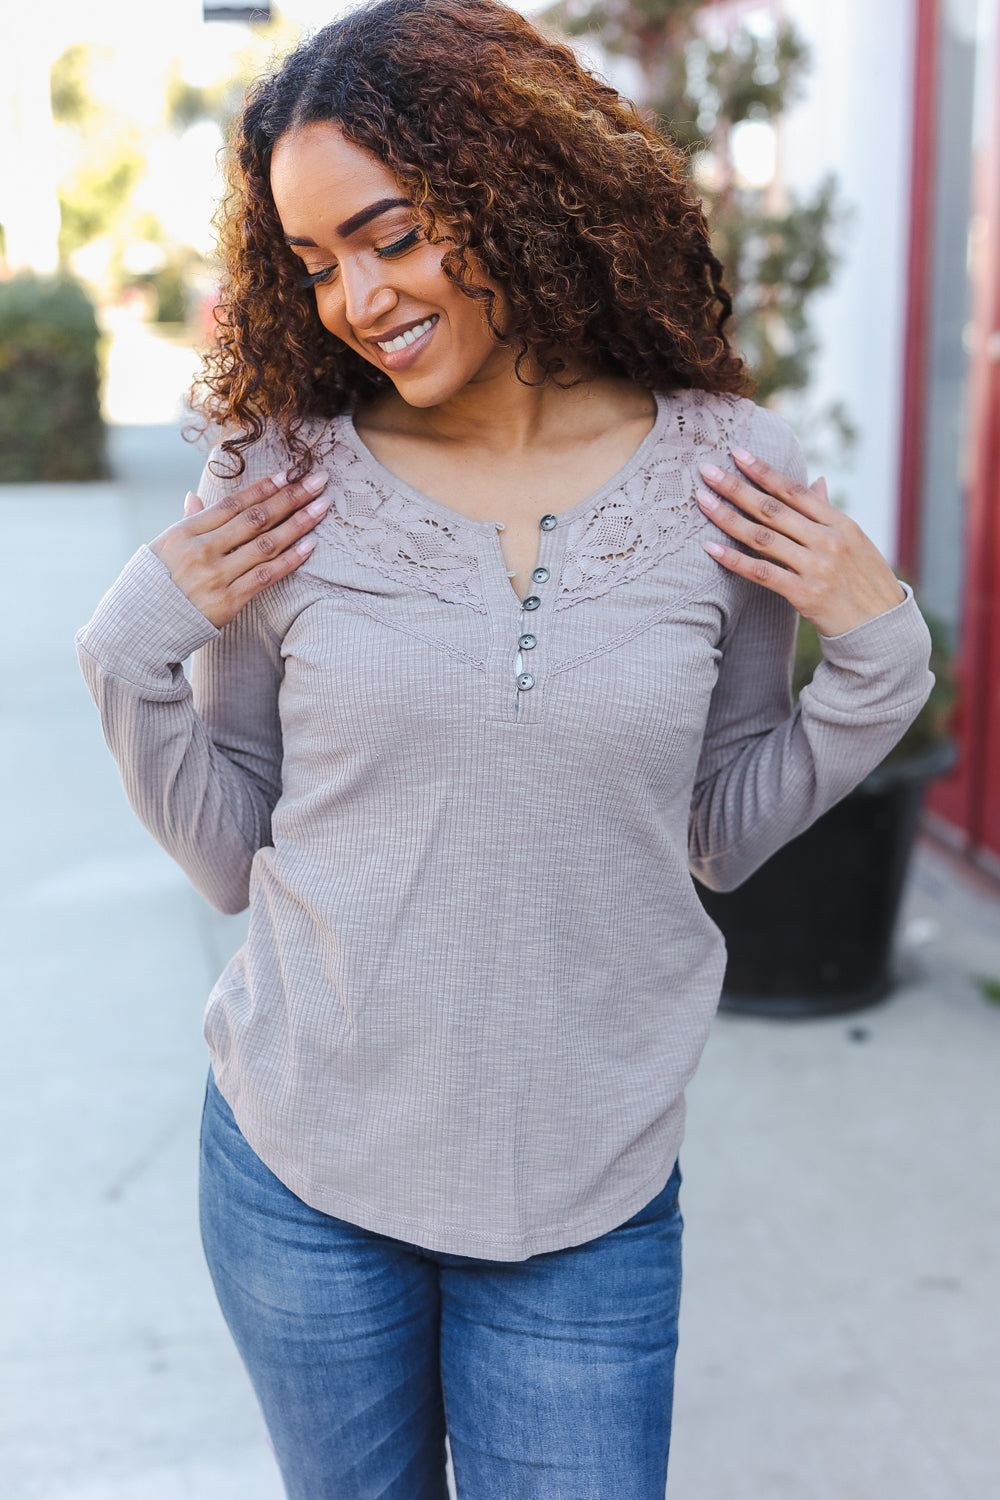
x: 50, y: 416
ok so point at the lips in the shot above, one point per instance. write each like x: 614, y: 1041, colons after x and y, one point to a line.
x: 402, y: 352
x: 415, y: 325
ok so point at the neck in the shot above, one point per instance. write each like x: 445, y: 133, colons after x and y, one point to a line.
x: 498, y: 413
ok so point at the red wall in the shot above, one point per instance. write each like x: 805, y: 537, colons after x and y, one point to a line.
x: 968, y: 801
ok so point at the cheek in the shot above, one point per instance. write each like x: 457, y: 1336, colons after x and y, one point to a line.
x: 472, y: 333
x: 330, y: 308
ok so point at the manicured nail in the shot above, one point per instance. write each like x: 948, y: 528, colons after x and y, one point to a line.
x: 742, y: 456
x: 707, y: 500
x: 188, y: 498
x: 306, y: 545
x: 711, y: 471
x: 315, y: 481
x: 714, y: 548
x: 318, y: 507
x: 278, y: 480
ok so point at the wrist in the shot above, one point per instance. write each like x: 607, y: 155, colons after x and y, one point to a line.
x: 840, y: 621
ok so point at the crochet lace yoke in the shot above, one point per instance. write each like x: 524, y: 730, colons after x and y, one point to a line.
x: 642, y: 515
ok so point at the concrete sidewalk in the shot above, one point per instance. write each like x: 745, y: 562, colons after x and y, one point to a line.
x: 842, y: 1193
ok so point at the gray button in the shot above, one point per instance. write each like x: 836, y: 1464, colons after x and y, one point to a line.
x: 540, y: 575
x: 525, y: 681
x: 532, y: 602
x: 528, y: 642
x: 548, y: 523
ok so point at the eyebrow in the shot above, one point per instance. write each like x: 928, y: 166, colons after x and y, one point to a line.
x: 355, y: 222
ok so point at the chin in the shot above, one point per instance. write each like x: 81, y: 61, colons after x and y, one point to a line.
x: 427, y: 390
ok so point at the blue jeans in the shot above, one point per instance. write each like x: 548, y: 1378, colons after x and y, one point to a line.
x: 553, y: 1376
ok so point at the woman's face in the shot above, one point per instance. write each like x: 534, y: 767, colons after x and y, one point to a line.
x: 378, y: 284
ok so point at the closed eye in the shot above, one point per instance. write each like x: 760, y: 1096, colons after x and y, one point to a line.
x: 315, y: 277
x: 385, y: 252
x: 398, y: 246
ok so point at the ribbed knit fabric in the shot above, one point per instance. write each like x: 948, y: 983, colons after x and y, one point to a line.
x: 478, y: 977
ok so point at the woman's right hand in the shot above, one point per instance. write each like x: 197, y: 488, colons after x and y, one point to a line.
x: 221, y: 555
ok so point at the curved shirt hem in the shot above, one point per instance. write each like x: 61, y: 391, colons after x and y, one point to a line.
x: 478, y: 976
x: 452, y: 1239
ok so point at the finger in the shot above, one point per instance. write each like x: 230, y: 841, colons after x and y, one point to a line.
x: 224, y: 509
x: 266, y: 573
x: 752, y: 533
x: 255, y: 516
x: 762, y: 505
x: 192, y: 504
x: 267, y: 546
x: 791, y: 491
x: 229, y: 506
x: 759, y: 570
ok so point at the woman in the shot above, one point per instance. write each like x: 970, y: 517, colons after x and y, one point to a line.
x: 468, y: 702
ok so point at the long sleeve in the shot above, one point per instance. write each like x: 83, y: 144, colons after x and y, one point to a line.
x: 477, y: 978
x: 201, y: 768
x: 766, y: 772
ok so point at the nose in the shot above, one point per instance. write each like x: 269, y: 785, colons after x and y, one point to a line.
x: 367, y: 296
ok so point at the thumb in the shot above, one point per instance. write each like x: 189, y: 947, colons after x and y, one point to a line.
x: 192, y: 504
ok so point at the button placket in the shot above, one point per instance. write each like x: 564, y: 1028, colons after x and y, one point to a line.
x: 527, y: 639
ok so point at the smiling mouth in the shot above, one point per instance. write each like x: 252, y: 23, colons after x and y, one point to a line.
x: 407, y: 337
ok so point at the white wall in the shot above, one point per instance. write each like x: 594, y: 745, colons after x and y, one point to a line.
x: 29, y: 207
x: 856, y: 122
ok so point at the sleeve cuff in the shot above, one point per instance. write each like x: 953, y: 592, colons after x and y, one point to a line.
x: 144, y: 626
x: 884, y: 660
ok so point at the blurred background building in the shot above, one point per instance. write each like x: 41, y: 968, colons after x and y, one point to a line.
x: 903, y: 105
x: 869, y: 136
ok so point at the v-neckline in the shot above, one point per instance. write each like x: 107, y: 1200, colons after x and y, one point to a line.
x: 386, y: 479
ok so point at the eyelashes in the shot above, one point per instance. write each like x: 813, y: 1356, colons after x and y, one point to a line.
x: 387, y: 252
x: 315, y: 277
x: 398, y: 246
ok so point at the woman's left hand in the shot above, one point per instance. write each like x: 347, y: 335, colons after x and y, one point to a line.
x: 807, y: 550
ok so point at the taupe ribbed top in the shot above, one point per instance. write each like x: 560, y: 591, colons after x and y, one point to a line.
x: 478, y: 977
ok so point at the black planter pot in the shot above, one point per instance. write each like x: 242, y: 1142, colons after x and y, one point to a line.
x: 810, y: 933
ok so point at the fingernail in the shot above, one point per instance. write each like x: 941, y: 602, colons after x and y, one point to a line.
x: 306, y: 545
x: 714, y: 548
x: 712, y: 471
x: 707, y: 500
x: 187, y: 502
x: 315, y: 481
x: 317, y: 507
x: 279, y: 479
x: 742, y: 456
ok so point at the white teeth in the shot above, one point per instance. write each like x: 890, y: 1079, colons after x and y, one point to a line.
x: 409, y: 337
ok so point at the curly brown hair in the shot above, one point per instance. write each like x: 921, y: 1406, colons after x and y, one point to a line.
x: 533, y: 169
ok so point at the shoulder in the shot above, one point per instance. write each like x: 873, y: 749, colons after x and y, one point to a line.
x: 270, y: 612
x: 769, y: 436
x: 222, y: 472
x: 719, y: 421
x: 269, y: 455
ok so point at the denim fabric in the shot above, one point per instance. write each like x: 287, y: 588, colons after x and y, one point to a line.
x: 553, y: 1375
